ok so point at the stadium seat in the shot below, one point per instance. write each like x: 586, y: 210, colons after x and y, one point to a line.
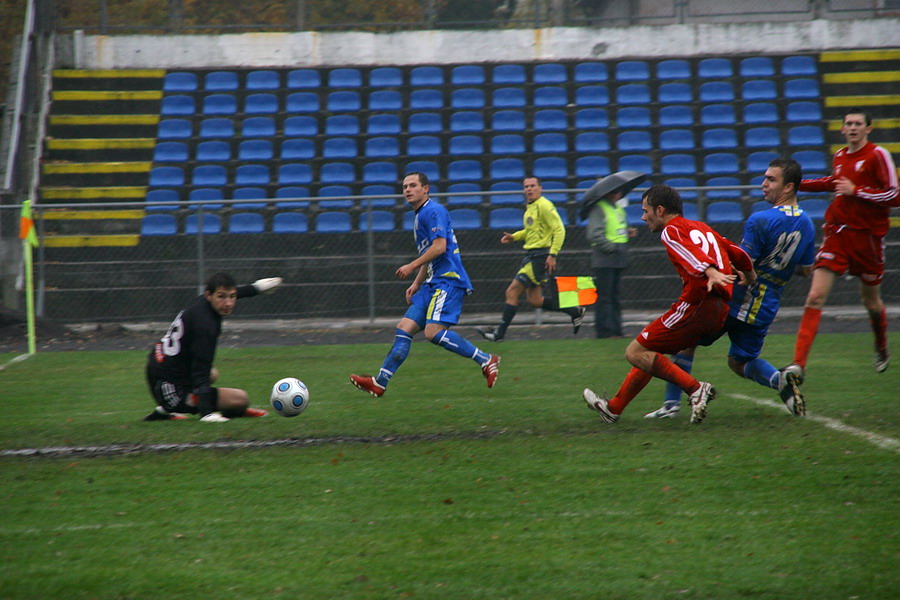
x: 426, y: 99
x: 339, y: 147
x: 721, y: 163
x: 632, y: 70
x: 718, y: 138
x: 801, y: 89
x: 219, y: 104
x: 423, y: 145
x: 255, y: 150
x: 590, y: 72
x: 426, y: 76
x: 505, y: 218
x: 591, y: 166
x: 760, y: 112
x: 467, y: 98
x: 337, y: 173
x: 508, y: 74
x: 463, y: 121
x: 717, y: 114
x: 758, y: 162
x: 716, y: 91
x: 302, y: 126
x: 262, y: 103
x: 799, y: 66
x: 408, y: 220
x: 220, y: 81
x: 159, y: 224
x: 216, y: 128
x: 464, y: 170
x: 209, y: 175
x: 289, y: 222
x: 507, y: 168
x: 715, y: 68
x: 723, y: 194
x: 633, y: 116
x: 341, y: 125
x: 508, y: 97
x: 677, y: 164
x: 815, y: 207
x: 465, y: 218
x: 591, y: 95
x: 725, y: 211
x: 589, y: 142
x: 550, y: 191
x: 689, y: 210
x: 676, y: 115
x: 246, y: 222
x: 335, y: 191
x: 758, y: 89
x: 633, y: 93
x: 249, y: 193
x: 174, y: 129
x: 676, y: 139
x: 633, y: 141
x: 674, y: 93
x: 811, y: 161
x: 380, y: 172
x: 263, y: 80
x: 379, y: 189
x: 591, y: 118
x: 508, y: 120
x: 469, y: 199
x: 803, y: 112
x: 207, y: 196
x: 214, y: 151
x: 288, y: 196
x: 633, y: 214
x: 424, y: 122
x: 294, y: 174
x: 154, y: 199
x: 178, y: 105
x: 344, y: 78
x: 180, y: 82
x: 549, y: 74
x: 385, y: 100
x: 635, y: 162
x: 297, y: 149
x: 507, y: 143
x: 551, y: 143
x: 759, y: 205
x: 343, y: 101
x: 550, y: 96
x: 762, y: 137
x: 675, y: 68
x: 254, y: 174
x: 756, y: 66
x: 333, y: 222
x: 467, y: 75
x: 680, y: 183
x: 465, y: 145
x: 211, y: 224
x: 170, y: 152
x: 382, y: 220
x: 381, y: 147
x: 385, y: 77
x: 299, y: 79
x: 550, y: 167
x: 757, y: 183
x: 805, y: 135
x: 550, y: 119
x: 302, y: 102
x: 513, y: 198
x: 383, y: 124
x: 258, y: 127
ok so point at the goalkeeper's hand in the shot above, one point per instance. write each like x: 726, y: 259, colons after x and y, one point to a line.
x: 214, y: 417
x: 267, y: 285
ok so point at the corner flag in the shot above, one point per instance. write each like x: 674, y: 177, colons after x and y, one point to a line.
x: 576, y: 291
x: 26, y: 225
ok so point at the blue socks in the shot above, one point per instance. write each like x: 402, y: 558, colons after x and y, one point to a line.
x: 399, y: 352
x: 452, y: 341
x: 762, y: 372
x: 673, y: 393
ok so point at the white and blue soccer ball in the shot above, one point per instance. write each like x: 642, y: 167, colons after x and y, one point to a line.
x: 290, y: 396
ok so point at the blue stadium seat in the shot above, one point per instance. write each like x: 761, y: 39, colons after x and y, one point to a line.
x: 591, y: 166
x: 508, y: 97
x: 677, y: 164
x: 343, y: 101
x: 214, y: 151
x: 335, y: 191
x: 632, y: 70
x: 633, y: 214
x: 550, y: 96
x: 759, y: 205
x: 429, y: 167
x: 689, y: 210
x: 550, y: 167
x: 292, y: 174
x: 302, y: 102
x: 380, y: 172
x: 507, y: 168
x: 255, y: 175
x: 634, y: 141
x: 466, y: 121
x: 159, y: 224
x: 805, y: 135
x: 721, y: 163
x: 337, y: 173
x: 382, y: 220
x: 211, y: 224
x: 426, y: 99
x: 550, y: 119
x: 465, y: 145
x: 550, y: 143
x: 301, y: 126
x: 263, y: 80
x: 673, y: 69
x: 300, y: 79
x: 811, y: 161
x: 297, y: 149
x: 289, y: 195
x: 633, y: 93
x: 801, y: 89
x: 716, y: 91
x: 426, y: 76
x: 424, y: 122
x: 757, y: 182
x: 814, y: 207
x: 803, y: 111
x: 718, y: 138
x: 174, y: 129
x: 760, y: 112
x: 762, y: 137
x: 408, y: 220
x: 591, y: 95
x: 258, y: 127
x: 676, y: 139
x: 758, y: 89
x: 679, y: 183
x: 216, y: 127
x: 467, y: 75
x: 219, y: 104
x: 220, y: 81
x: 464, y: 170
x: 756, y: 66
x: 725, y: 211
x: 510, y: 74
x: 380, y: 189
x: 178, y: 105
x: 341, y: 125
x: 469, y: 199
x: 465, y: 218
x: 154, y: 198
x: 676, y: 115
x: 423, y: 145
x: 514, y: 198
x: 508, y: 120
x: 385, y: 77
x: 333, y: 222
x: 549, y: 74
x: 467, y: 98
x: 715, y: 68
x: 758, y: 162
x: 382, y: 147
x: 180, y: 82
x: 246, y: 222
x: 255, y: 150
x: 166, y: 177
x: 339, y: 147
x: 635, y: 162
x: 248, y: 193
x: 799, y: 66
x: 383, y: 124
x: 507, y: 143
x: 590, y: 72
x: 209, y: 175
x: 385, y: 100
x: 289, y: 222
x: 589, y: 142
x: 633, y: 116
x: 344, y: 77
x: 723, y: 194
x: 550, y: 191
x: 591, y: 118
x: 170, y: 152
x: 506, y: 218
x: 674, y: 93
x: 717, y: 114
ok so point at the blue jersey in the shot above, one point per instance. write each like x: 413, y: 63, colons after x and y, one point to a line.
x: 778, y: 239
x: 433, y: 221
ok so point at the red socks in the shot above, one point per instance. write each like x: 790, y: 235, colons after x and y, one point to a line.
x: 806, y: 334
x: 636, y: 380
x: 879, y: 328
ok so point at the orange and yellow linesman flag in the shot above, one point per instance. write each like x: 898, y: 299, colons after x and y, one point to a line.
x: 26, y: 225
x: 576, y: 291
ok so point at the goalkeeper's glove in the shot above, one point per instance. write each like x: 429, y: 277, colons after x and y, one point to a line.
x: 214, y: 417
x: 267, y: 285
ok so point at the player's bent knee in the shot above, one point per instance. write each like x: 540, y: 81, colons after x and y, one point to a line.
x: 233, y: 398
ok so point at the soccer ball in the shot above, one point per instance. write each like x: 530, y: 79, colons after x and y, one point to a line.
x: 290, y: 396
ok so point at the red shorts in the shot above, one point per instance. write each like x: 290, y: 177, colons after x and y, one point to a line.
x: 668, y: 334
x: 846, y: 250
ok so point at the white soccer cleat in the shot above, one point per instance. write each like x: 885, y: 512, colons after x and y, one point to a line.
x: 699, y: 401
x: 882, y: 360
x: 599, y: 404
x: 666, y: 411
x: 267, y: 285
x: 789, y: 391
x: 214, y: 417
x: 796, y: 370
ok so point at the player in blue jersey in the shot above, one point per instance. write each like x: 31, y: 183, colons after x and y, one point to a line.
x: 781, y: 242
x: 436, y: 294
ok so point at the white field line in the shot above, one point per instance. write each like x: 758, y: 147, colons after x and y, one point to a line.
x: 882, y: 441
x: 12, y: 361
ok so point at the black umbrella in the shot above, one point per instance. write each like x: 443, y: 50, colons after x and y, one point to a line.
x: 623, y: 181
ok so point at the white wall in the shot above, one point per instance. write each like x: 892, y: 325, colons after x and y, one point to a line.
x: 562, y: 43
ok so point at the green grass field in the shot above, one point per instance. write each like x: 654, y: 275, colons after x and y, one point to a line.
x: 444, y: 489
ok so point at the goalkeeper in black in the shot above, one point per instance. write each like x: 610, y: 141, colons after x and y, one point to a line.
x: 180, y: 369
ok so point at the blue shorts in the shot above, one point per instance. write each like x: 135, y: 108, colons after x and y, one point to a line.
x: 436, y: 303
x: 746, y: 340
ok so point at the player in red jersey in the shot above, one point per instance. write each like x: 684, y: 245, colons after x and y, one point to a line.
x: 703, y: 259
x: 864, y: 182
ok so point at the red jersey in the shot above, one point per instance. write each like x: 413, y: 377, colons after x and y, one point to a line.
x: 693, y: 246
x: 872, y: 170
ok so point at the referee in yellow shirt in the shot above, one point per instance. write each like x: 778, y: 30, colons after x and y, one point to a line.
x: 543, y: 233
